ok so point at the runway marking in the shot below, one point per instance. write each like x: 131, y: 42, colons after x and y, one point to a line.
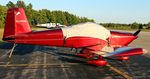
x: 2, y: 62
x: 119, y: 72
x: 45, y: 59
x: 45, y: 70
x: 26, y: 71
x: 35, y: 65
x: 64, y: 71
x: 5, y: 54
x: 10, y: 75
x: 7, y: 63
x: 55, y: 65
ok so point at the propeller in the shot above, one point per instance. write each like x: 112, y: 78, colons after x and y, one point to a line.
x: 138, y: 31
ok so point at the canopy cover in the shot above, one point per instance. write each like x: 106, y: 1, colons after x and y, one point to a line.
x: 87, y: 29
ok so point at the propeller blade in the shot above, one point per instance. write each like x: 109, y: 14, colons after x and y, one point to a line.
x: 137, y: 32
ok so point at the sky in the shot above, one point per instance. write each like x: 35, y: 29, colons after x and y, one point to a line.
x: 102, y: 11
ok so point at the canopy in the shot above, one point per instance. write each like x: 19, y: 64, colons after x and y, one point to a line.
x: 87, y: 29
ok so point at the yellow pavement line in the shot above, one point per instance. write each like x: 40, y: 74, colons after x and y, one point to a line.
x: 120, y: 72
x: 29, y: 65
x: 56, y: 65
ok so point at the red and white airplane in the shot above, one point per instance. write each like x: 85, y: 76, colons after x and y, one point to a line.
x: 93, y: 39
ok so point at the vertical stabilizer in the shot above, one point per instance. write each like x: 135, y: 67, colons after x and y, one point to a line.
x: 16, y: 22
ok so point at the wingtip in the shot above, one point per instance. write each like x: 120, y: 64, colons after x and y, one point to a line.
x: 145, y: 51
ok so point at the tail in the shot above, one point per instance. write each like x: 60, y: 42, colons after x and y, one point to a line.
x: 15, y: 23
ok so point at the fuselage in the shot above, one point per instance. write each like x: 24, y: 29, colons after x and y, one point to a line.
x: 57, y: 38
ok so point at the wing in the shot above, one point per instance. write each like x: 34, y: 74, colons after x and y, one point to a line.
x: 125, y: 51
x: 121, y: 54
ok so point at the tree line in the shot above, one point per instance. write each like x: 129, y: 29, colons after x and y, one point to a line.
x: 134, y: 25
x: 62, y: 17
x: 42, y: 16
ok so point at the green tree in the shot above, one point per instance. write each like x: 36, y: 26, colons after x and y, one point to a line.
x: 3, y: 10
x: 10, y: 4
x: 148, y: 25
x: 134, y: 25
x: 20, y: 4
x: 53, y: 17
x: 29, y: 13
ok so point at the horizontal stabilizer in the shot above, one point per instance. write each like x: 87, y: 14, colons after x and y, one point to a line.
x: 125, y: 51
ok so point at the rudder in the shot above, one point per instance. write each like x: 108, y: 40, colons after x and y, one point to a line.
x: 16, y: 23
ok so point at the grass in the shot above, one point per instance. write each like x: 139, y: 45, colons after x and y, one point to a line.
x: 1, y: 34
x: 36, y: 28
x: 1, y: 41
